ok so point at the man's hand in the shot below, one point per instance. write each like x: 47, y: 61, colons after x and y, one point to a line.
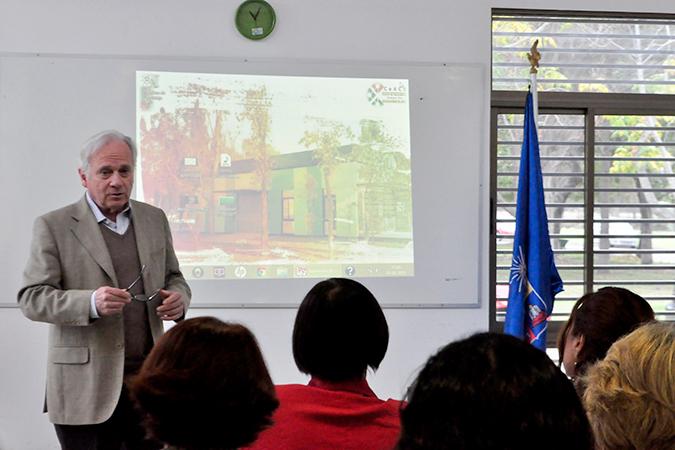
x: 110, y: 300
x: 172, y: 306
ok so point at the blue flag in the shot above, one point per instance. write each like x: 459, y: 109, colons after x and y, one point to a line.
x: 534, y: 279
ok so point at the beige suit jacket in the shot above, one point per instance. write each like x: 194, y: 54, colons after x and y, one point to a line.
x: 68, y: 261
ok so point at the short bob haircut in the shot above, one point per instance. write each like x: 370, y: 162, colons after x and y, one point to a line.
x: 601, y: 318
x: 99, y: 140
x: 204, y: 385
x: 339, y: 332
x: 630, y: 395
x: 493, y: 392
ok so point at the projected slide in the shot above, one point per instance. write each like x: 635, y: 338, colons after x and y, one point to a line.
x: 279, y: 176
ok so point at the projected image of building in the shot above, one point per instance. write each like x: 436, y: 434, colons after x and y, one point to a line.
x: 255, y: 171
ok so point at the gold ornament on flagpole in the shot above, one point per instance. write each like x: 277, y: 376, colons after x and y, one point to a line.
x: 534, y: 56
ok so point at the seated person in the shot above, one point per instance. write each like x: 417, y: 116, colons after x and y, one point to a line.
x: 597, y: 320
x: 204, y: 385
x: 493, y: 392
x: 630, y: 394
x: 340, y: 331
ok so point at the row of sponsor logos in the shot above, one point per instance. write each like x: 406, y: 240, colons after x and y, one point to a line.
x: 317, y: 270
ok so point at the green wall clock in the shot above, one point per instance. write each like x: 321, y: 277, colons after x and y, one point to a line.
x: 255, y: 19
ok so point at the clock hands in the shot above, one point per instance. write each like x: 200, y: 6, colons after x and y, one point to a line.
x: 254, y: 19
x: 255, y: 16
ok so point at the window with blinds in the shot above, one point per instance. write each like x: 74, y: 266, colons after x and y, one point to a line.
x: 634, y: 206
x: 585, y: 54
x: 607, y: 144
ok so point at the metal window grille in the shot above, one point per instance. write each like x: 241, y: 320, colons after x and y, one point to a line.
x: 585, y: 54
x: 634, y: 205
x: 607, y: 150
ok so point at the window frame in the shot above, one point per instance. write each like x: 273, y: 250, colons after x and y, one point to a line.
x: 594, y: 104
x: 567, y: 14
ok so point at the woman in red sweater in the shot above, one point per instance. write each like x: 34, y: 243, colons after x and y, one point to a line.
x: 339, y: 332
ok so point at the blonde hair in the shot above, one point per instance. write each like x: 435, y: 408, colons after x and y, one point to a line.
x: 630, y: 395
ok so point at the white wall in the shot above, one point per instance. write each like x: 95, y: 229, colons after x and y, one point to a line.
x: 354, y: 30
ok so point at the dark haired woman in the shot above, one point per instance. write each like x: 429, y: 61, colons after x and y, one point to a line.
x: 598, y: 319
x: 339, y: 332
x: 204, y: 385
x: 493, y: 392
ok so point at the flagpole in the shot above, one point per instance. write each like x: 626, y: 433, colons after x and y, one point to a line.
x: 533, y: 279
x: 534, y: 56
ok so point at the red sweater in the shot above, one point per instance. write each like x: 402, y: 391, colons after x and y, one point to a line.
x: 331, y: 416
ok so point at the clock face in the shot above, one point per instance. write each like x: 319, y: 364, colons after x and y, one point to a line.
x: 255, y: 19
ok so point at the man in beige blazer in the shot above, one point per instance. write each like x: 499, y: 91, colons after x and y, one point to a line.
x: 104, y: 274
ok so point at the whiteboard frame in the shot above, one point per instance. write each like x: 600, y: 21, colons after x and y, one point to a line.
x: 463, y: 82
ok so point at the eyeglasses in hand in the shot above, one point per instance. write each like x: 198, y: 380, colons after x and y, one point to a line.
x: 141, y: 297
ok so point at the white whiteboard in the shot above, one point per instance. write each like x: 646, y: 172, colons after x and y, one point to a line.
x: 50, y: 104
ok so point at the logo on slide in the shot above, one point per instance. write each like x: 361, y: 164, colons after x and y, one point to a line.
x: 379, y: 94
x: 375, y: 94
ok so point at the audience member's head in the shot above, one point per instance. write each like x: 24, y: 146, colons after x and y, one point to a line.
x: 630, y: 395
x: 597, y: 320
x: 204, y: 385
x: 493, y: 392
x: 339, y: 332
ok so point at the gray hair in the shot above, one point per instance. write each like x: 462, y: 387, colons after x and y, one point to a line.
x: 99, y: 140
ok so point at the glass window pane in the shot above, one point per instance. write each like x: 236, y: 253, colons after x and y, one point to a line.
x: 634, y: 211
x: 578, y: 54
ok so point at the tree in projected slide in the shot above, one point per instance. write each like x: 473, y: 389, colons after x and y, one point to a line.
x: 325, y: 139
x: 196, y: 144
x: 378, y: 175
x: 181, y: 151
x: 161, y: 160
x: 256, y: 111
